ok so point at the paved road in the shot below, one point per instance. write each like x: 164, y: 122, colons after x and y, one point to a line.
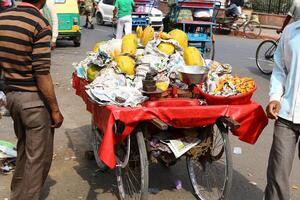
x: 71, y: 176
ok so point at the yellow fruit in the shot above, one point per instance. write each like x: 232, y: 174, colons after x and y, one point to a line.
x: 164, y: 36
x: 126, y: 64
x: 129, y: 44
x: 148, y: 35
x: 163, y: 86
x: 180, y: 37
x: 193, y: 57
x: 139, y: 32
x: 96, y: 47
x: 92, y: 72
x: 114, y: 53
x: 166, y: 48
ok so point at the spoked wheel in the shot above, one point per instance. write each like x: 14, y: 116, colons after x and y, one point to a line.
x: 252, y: 30
x: 265, y: 56
x: 132, y: 168
x: 211, y: 174
x: 97, y: 137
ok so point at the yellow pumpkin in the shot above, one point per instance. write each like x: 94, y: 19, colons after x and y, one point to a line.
x: 126, y: 64
x: 148, y: 35
x: 193, y: 57
x: 166, y: 48
x: 129, y: 44
x: 180, y: 37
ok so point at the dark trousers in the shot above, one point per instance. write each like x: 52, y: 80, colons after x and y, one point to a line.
x: 32, y: 123
x: 281, y: 158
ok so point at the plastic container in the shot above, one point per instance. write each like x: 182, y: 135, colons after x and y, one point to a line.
x: 239, y: 99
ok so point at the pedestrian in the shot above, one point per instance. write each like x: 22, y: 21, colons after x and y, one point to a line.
x: 122, y: 12
x: 89, y: 13
x: 25, y: 58
x: 49, y: 12
x: 284, y: 107
x: 234, y: 8
x: 293, y: 13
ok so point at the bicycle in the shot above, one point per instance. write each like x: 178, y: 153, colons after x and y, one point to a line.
x: 251, y: 27
x: 265, y: 56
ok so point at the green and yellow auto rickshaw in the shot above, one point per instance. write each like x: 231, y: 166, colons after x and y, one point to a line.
x: 68, y: 20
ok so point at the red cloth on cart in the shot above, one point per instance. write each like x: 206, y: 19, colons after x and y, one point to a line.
x: 251, y: 117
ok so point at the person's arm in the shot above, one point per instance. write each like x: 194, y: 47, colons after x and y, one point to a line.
x: 285, y: 23
x: 41, y: 61
x: 277, y: 81
x: 226, y: 3
x: 115, y: 11
x: 52, y: 9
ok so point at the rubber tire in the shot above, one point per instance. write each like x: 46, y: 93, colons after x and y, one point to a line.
x: 144, y: 167
x: 266, y: 72
x: 77, y: 41
x: 229, y: 168
x: 251, y: 36
x: 99, y: 19
x: 95, y: 146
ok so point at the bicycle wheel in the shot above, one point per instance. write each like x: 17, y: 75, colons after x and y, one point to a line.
x: 211, y: 174
x: 265, y: 56
x: 97, y: 137
x: 252, y: 30
x: 132, y: 169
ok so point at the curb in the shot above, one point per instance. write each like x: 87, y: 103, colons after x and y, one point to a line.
x: 262, y: 35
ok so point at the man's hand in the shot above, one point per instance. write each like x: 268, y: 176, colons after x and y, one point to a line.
x: 273, y: 109
x: 57, y: 119
x: 53, y: 45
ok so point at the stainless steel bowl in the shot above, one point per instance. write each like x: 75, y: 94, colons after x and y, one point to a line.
x: 193, y: 74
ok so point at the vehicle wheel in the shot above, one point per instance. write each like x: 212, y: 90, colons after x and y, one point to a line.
x: 77, y: 41
x: 252, y: 30
x: 211, y: 174
x: 97, y: 137
x: 265, y: 56
x: 99, y: 19
x: 132, y: 168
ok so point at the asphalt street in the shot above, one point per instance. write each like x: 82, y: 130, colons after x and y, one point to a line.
x: 72, y: 176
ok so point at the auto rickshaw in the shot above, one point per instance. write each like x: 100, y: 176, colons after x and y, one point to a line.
x: 68, y: 20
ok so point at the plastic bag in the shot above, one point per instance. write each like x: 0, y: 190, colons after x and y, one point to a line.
x: 2, y: 99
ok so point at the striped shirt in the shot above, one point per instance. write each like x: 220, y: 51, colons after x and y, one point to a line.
x: 24, y: 47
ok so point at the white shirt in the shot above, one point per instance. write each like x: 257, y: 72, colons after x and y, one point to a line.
x: 285, y: 79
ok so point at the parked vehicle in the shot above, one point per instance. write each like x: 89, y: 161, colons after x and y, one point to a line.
x: 105, y: 9
x: 68, y: 21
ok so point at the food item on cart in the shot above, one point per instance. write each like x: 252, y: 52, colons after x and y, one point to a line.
x: 218, y: 68
x: 129, y: 44
x: 193, y: 57
x: 114, y: 53
x: 167, y: 48
x: 163, y: 86
x: 180, y: 37
x: 126, y: 64
x: 148, y: 35
x: 139, y: 32
x: 96, y: 47
x: 185, y: 14
x: 93, y: 71
x: 165, y: 36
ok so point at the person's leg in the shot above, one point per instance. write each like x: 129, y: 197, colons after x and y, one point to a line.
x: 128, y: 25
x: 281, y: 161
x: 120, y: 27
x: 86, y: 20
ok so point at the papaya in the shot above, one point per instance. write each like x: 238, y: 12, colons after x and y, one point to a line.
x: 166, y: 48
x: 129, y: 44
x: 180, y: 36
x: 192, y: 56
x: 92, y: 72
x: 126, y: 64
x: 164, y: 36
x: 139, y: 32
x: 148, y: 35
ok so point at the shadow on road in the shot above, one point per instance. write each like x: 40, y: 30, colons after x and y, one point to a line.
x: 47, y: 187
x: 255, y: 70
x: 161, y: 178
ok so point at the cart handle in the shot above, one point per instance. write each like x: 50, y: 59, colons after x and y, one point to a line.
x: 160, y: 124
x: 232, y: 124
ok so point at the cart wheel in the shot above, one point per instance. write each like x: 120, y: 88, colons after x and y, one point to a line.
x: 211, y: 174
x: 252, y: 30
x: 132, y: 168
x: 97, y: 137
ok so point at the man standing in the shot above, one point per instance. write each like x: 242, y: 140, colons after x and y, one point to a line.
x: 89, y: 13
x: 234, y: 8
x: 293, y: 13
x: 25, y: 58
x: 122, y: 12
x: 284, y: 106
